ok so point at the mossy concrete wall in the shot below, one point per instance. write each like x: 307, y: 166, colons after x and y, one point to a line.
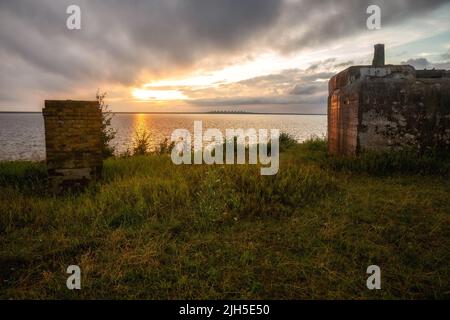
x: 388, y: 107
x: 73, y: 142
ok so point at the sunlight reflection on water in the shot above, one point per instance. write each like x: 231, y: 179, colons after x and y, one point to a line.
x: 22, y: 135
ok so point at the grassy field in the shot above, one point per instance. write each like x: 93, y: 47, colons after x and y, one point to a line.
x: 151, y: 229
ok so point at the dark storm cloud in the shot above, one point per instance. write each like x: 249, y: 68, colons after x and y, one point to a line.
x: 126, y: 36
x: 322, y: 21
x: 120, y: 39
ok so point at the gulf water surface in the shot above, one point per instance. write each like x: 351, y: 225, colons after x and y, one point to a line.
x: 22, y: 135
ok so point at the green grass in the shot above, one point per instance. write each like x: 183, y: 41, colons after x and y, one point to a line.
x: 151, y: 229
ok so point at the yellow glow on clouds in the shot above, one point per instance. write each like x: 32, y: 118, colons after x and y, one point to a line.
x: 271, y: 62
x: 157, y: 95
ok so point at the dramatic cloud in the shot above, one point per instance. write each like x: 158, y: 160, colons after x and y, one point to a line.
x: 315, y: 22
x: 124, y: 44
x: 422, y: 63
x: 118, y: 38
x: 419, y: 63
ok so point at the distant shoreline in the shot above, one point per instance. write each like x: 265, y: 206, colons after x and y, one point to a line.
x: 212, y: 113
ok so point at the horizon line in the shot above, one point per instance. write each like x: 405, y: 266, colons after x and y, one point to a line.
x: 195, y: 112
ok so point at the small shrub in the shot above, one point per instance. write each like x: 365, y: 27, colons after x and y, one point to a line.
x: 108, y: 132
x: 286, y: 141
x: 165, y: 147
x: 315, y: 143
x: 141, y: 143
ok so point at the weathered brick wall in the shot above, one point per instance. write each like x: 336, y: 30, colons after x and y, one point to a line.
x: 73, y: 142
x: 389, y: 107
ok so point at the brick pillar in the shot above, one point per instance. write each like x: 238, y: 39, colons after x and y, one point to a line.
x: 73, y: 143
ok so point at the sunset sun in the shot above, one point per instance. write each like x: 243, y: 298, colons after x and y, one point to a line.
x: 157, y: 95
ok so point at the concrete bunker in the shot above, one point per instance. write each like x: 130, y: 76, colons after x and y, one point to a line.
x: 384, y: 107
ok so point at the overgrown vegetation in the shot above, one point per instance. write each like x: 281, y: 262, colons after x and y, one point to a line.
x: 286, y: 141
x: 151, y: 229
x: 394, y: 162
x: 141, y: 145
x: 108, y: 132
x: 23, y: 175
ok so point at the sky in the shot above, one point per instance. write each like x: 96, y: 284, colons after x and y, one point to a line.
x: 203, y: 55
